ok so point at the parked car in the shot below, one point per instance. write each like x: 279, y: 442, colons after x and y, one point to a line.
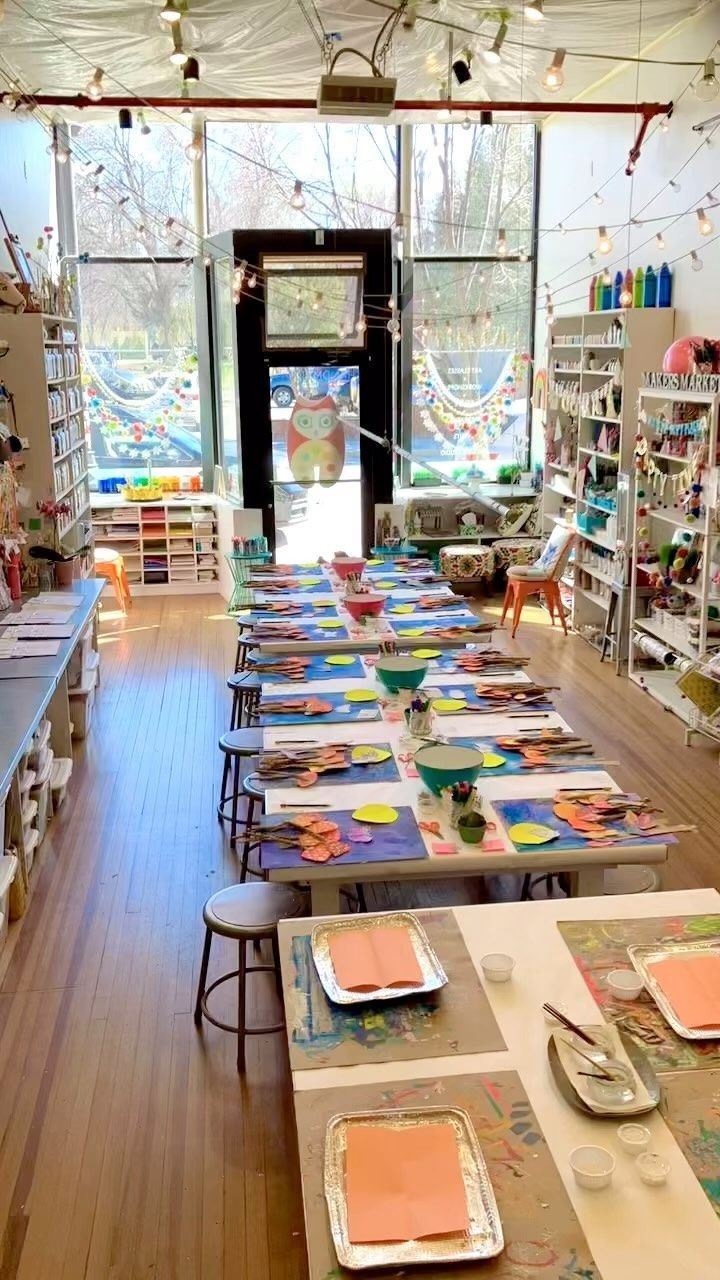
x: 320, y: 380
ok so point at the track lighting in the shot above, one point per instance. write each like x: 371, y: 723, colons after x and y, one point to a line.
x: 486, y: 119
x: 696, y: 262
x: 705, y: 226
x: 125, y: 118
x: 170, y: 12
x: 94, y: 86
x: 659, y: 241
x: 706, y: 88
x: 461, y: 67
x: 501, y: 246
x: 178, y: 57
x: 191, y: 71
x: 492, y: 54
x: 604, y: 243
x: 553, y: 78
x: 297, y: 199
x: 534, y: 11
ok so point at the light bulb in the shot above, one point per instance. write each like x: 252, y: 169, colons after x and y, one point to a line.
x: 396, y: 336
x: 298, y: 298
x: 598, y: 198
x: 659, y: 241
x: 534, y: 11
x: 361, y: 325
x: 501, y: 246
x: 194, y: 149
x: 391, y: 303
x: 94, y: 86
x: 604, y: 243
x: 315, y: 304
x: 492, y: 55
x: 487, y: 318
x: 550, y: 316
x: 63, y: 154
x: 170, y: 12
x: 553, y: 78
x: 179, y: 57
x: 705, y: 226
x: 297, y: 199
x: 706, y: 88
x: 448, y: 327
x: 522, y: 255
x: 393, y: 325
x: 144, y: 126
x: 251, y: 280
x: 674, y: 186
x: 467, y: 123
x: 591, y: 256
x: 562, y: 229
x: 341, y: 332
x: 696, y: 261
x: 626, y: 298
x: 664, y: 124
x: 398, y: 231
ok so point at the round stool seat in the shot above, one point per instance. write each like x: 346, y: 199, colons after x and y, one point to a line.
x: 638, y: 879
x: 255, y: 786
x: 248, y: 911
x: 244, y: 680
x: 241, y: 742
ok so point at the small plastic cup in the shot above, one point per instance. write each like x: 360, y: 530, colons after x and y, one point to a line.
x: 653, y: 1169
x: 624, y: 984
x: 633, y: 1138
x: 497, y: 967
x: 593, y: 1167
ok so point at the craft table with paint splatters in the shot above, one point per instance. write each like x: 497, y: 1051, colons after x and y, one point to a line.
x: 552, y: 1228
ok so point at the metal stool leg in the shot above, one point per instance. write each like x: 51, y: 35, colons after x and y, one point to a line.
x: 235, y: 712
x: 241, y: 1007
x: 223, y: 787
x: 235, y: 800
x: 249, y: 819
x: 276, y: 962
x: 203, y: 976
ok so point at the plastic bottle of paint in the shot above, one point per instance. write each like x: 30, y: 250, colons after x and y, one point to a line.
x: 665, y: 284
x: 591, y: 294
x: 650, y: 296
x: 598, y: 292
x: 639, y: 288
x: 617, y: 289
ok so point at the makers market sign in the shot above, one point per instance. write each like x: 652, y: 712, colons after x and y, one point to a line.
x: 706, y: 383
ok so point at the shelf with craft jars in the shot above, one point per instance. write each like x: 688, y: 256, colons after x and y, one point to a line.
x: 675, y: 539
x: 595, y: 363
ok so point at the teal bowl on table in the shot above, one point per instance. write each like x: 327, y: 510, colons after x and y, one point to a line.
x: 442, y: 766
x: 399, y: 672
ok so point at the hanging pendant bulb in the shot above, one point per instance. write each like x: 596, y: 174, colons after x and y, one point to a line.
x: 251, y: 280
x: 170, y: 12
x: 94, y: 86
x: 674, y: 186
x: 562, y: 229
x: 706, y: 88
x: 598, y: 198
x: 315, y: 304
x: 398, y: 231
x: 396, y: 336
x: 501, y: 246
x: 604, y: 243
x: 659, y: 241
x: 553, y: 77
x: 125, y: 118
x: 178, y: 57
x: 696, y: 261
x: 297, y: 199
x: 534, y: 11
x: 144, y: 126
x: 191, y: 71
x: 194, y: 149
x: 361, y: 325
x: 522, y: 255
x: 664, y: 124
x: 705, y: 226
x: 393, y: 325
x: 492, y: 55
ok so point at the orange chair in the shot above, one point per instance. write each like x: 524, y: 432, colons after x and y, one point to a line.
x: 541, y: 578
x: 110, y: 564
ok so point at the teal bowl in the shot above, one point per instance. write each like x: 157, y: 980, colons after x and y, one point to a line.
x: 441, y: 765
x: 401, y: 672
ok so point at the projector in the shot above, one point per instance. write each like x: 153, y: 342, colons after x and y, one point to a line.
x: 356, y: 95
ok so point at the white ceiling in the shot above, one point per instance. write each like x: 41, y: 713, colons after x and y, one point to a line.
x: 264, y: 48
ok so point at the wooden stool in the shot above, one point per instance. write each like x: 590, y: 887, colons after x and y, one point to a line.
x: 246, y: 689
x: 109, y: 564
x: 245, y: 913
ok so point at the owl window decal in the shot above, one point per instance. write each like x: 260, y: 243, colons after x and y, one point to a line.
x: 315, y: 442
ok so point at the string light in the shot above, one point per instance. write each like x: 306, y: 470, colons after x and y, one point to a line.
x: 94, y: 86
x: 706, y: 88
x: 591, y: 257
x: 298, y: 298
x: 487, y: 319
x: 492, y: 55
x: 664, y: 124
x: 501, y: 246
x: 315, y: 304
x: 534, y: 11
x: 398, y: 231
x: 598, y: 198
x: 562, y: 229
x: 125, y: 118
x: 604, y: 243
x: 522, y: 255
x: 251, y: 280
x: 461, y: 67
x: 606, y: 276
x: 170, y: 12
x: 467, y: 123
x: 553, y: 77
x: 711, y: 199
x: 144, y: 126
x: 178, y: 57
x: 191, y: 71
x: 674, y: 186
x: 705, y: 226
x: 194, y: 149
x: 696, y: 262
x: 361, y: 325
x: 342, y: 335
x: 626, y: 298
x: 396, y: 335
x: 393, y: 325
x: 297, y: 199
x: 659, y: 241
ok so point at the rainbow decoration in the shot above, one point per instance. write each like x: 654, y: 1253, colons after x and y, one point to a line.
x: 467, y: 429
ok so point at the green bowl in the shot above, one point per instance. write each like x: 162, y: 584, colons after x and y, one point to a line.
x: 401, y: 672
x: 472, y: 828
x: 441, y: 765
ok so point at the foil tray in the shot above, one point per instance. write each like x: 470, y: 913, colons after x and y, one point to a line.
x: 434, y: 975
x: 483, y: 1240
x: 646, y: 954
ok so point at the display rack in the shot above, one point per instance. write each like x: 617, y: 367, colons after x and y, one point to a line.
x: 678, y: 619
x: 595, y: 363
x: 170, y: 545
x: 42, y: 372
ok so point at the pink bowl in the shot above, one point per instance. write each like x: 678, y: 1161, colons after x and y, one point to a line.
x: 345, y: 565
x: 364, y: 605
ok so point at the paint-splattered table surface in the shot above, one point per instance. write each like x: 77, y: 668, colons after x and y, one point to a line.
x: 632, y: 1232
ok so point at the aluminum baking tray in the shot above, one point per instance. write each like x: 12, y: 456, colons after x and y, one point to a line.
x: 644, y: 954
x: 434, y: 975
x: 484, y: 1238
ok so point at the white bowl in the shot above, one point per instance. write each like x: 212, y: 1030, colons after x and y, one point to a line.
x: 633, y: 1138
x: 653, y: 1169
x: 593, y: 1167
x: 497, y: 967
x: 624, y: 984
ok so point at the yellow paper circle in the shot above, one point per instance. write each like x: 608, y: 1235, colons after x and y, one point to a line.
x: 402, y: 608
x: 385, y: 586
x: 445, y: 705
x: 426, y: 653
x: 532, y: 833
x: 308, y: 564
x: 369, y: 755
x: 380, y: 813
x: 360, y: 695
x: 329, y: 624
x: 412, y: 631
x: 322, y: 604
x: 370, y: 564
x: 340, y: 660
x: 493, y: 761
x: 308, y: 582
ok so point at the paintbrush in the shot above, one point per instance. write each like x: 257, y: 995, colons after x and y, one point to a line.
x: 568, y: 1024
x: 604, y: 1075
x: 301, y: 805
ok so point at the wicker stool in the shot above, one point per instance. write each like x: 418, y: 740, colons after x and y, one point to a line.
x: 246, y: 695
x: 237, y: 745
x: 246, y: 913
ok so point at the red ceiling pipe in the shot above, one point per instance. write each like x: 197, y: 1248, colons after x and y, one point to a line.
x: 645, y: 109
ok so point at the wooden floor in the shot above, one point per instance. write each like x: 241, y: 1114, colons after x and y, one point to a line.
x: 128, y: 1146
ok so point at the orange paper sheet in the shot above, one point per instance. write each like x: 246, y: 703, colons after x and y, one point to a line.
x: 692, y: 986
x: 367, y: 959
x: 403, y: 1184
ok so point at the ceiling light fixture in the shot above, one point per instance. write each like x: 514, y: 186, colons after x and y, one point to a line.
x: 705, y: 226
x: 706, y: 88
x: 604, y: 243
x: 94, y: 86
x: 553, y: 78
x: 492, y: 55
x: 170, y: 12
x: 534, y: 11
x: 297, y: 199
x: 461, y: 67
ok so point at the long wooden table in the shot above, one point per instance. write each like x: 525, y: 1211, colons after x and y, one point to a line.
x: 635, y: 1232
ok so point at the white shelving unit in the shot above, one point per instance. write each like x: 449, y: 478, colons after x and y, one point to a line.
x: 584, y: 352
x: 42, y: 371
x: 684, y: 635
x: 169, y: 546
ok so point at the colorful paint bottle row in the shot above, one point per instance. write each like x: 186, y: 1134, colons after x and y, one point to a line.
x: 641, y: 289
